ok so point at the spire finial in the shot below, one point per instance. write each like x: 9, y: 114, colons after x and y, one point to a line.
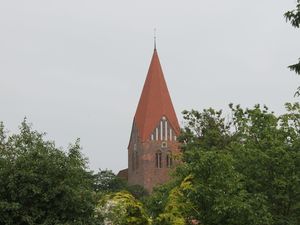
x: 154, y: 33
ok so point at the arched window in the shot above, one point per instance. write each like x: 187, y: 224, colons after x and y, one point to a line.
x: 158, y: 159
x: 169, y: 160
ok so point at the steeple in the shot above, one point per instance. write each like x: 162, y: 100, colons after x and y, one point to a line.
x: 155, y: 102
x: 153, y: 139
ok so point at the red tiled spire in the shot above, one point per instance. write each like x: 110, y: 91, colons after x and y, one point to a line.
x: 155, y: 102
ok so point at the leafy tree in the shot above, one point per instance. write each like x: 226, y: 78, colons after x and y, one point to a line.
x: 156, y: 202
x: 107, y: 181
x: 177, y: 208
x: 267, y: 153
x: 138, y: 191
x: 217, y: 193
x: 293, y: 17
x: 207, y: 130
x: 242, y: 171
x: 121, y: 208
x: 41, y: 184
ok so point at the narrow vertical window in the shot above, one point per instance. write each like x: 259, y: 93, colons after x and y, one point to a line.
x: 158, y: 160
x: 161, y: 130
x: 169, y: 160
x: 171, y: 135
x: 152, y: 137
x: 166, y: 130
x: 156, y: 133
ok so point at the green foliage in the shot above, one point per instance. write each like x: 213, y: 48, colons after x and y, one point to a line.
x: 293, y: 17
x: 107, y: 181
x: 204, y: 130
x: 137, y: 191
x: 41, y: 184
x: 157, y: 201
x: 242, y: 171
x: 121, y: 208
x: 295, y: 67
x: 177, y: 208
x: 270, y: 159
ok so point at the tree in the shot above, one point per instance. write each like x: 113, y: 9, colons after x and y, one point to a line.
x: 267, y: 153
x: 41, y: 184
x: 156, y: 202
x: 107, y: 181
x: 177, y: 209
x: 121, y: 208
x: 293, y: 17
x: 138, y: 191
x: 245, y: 170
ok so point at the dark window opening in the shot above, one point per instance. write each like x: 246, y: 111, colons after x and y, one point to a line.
x: 169, y: 160
x: 158, y: 160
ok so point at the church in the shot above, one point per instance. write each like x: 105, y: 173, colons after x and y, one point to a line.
x: 155, y: 128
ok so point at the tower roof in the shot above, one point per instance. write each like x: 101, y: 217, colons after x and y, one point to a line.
x: 155, y: 101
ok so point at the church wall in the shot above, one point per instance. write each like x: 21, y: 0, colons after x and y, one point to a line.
x: 145, y: 171
x: 154, y: 176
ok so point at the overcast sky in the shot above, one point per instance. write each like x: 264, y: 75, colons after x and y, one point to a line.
x: 77, y: 68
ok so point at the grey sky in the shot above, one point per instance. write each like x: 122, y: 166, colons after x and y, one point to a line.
x: 76, y: 68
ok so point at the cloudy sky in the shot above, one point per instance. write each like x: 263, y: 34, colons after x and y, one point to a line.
x: 76, y: 68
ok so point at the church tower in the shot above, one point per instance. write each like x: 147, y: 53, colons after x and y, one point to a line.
x: 154, y: 132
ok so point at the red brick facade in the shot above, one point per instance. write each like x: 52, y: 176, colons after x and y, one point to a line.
x: 145, y: 166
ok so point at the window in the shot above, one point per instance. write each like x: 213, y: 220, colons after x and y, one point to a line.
x: 169, y: 160
x: 166, y: 130
x: 158, y: 159
x: 161, y: 130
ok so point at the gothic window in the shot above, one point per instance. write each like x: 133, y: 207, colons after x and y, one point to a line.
x: 166, y: 130
x: 163, y: 131
x: 158, y: 159
x: 169, y: 159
